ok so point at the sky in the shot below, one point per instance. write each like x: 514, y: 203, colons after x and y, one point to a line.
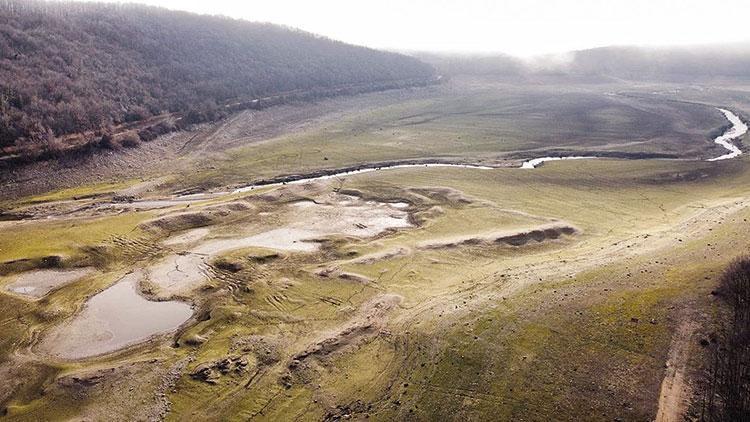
x: 517, y: 27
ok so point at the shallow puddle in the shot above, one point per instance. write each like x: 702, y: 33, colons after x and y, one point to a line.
x: 36, y: 284
x: 115, y: 318
x: 286, y: 239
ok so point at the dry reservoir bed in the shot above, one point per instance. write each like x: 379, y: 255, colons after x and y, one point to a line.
x: 435, y: 292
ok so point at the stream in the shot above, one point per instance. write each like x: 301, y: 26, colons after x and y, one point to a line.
x: 358, y: 171
x: 738, y: 129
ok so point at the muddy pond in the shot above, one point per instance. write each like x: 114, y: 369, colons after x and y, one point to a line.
x: 113, y: 319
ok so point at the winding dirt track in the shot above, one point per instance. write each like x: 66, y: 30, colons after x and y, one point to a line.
x: 675, y: 390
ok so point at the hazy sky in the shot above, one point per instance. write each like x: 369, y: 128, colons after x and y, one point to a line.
x: 520, y: 27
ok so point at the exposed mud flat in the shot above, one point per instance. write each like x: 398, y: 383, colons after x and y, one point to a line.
x: 333, y: 338
x: 113, y: 319
x: 354, y: 217
x: 737, y: 130
x: 285, y: 239
x: 189, y: 236
x: 36, y: 284
x: 182, y: 272
x: 308, y: 222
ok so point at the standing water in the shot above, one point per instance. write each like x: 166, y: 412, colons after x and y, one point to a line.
x: 115, y: 318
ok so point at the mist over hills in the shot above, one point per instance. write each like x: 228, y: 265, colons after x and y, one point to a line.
x: 71, y: 67
x: 678, y: 64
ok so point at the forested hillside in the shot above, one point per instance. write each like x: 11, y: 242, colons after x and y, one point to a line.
x: 68, y: 68
x: 675, y: 64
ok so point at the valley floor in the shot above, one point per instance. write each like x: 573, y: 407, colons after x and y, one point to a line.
x: 578, y: 290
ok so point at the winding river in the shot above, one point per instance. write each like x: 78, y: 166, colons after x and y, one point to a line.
x: 358, y: 171
x: 738, y: 129
x: 535, y: 162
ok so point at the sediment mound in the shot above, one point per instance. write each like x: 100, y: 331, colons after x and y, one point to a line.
x: 291, y: 193
x: 190, y: 220
x: 381, y: 256
x: 442, y: 195
x: 518, y: 238
x: 178, y: 222
x: 333, y: 272
x: 29, y: 264
x: 211, y: 372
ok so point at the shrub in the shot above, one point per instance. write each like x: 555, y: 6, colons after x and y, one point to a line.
x: 163, y: 128
x: 107, y: 141
x: 147, y: 135
x: 129, y: 140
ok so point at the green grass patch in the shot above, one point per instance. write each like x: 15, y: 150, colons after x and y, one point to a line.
x: 64, y: 237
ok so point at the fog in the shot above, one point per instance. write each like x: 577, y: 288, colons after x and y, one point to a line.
x: 519, y: 27
x: 678, y: 64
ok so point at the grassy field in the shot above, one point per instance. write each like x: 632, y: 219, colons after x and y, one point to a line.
x: 476, y: 312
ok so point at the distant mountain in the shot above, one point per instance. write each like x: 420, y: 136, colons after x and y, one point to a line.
x: 67, y: 68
